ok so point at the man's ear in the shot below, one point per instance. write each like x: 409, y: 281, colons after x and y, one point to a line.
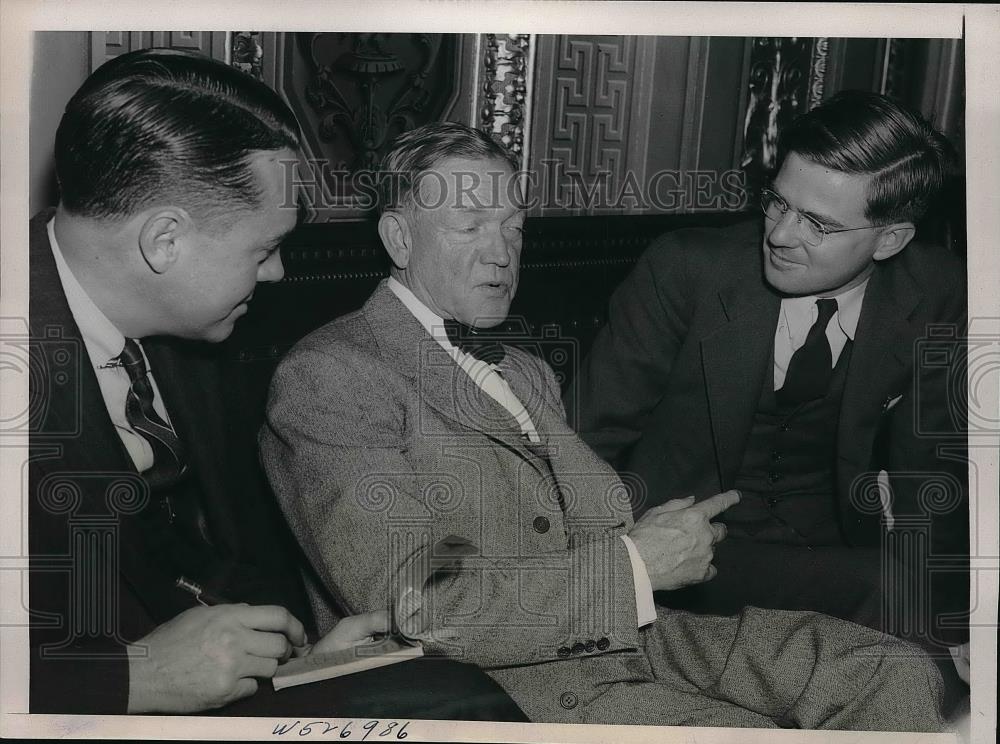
x: 892, y: 239
x: 161, y: 236
x: 394, y: 230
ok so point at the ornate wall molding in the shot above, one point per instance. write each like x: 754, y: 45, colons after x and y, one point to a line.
x: 894, y: 69
x: 367, y: 88
x: 246, y: 52
x: 781, y: 87
x: 817, y: 71
x: 505, y: 90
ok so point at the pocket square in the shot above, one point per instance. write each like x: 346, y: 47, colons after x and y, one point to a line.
x: 890, y: 402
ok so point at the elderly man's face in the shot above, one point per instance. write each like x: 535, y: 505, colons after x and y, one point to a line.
x: 465, y: 230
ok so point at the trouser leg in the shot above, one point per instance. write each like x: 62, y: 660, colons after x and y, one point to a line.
x: 799, y: 669
x: 840, y: 581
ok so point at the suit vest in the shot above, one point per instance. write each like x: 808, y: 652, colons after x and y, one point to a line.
x: 787, y: 477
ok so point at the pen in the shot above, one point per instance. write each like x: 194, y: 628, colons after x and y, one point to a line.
x: 205, y: 597
x: 208, y: 599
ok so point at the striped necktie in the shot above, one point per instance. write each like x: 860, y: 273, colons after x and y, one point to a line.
x: 169, y: 460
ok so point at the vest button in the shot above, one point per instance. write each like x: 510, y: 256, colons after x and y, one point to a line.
x: 784, y: 427
x: 774, y: 477
x: 776, y: 456
x: 540, y: 525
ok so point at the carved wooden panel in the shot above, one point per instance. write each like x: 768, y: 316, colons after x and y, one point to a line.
x: 105, y: 45
x: 367, y: 88
x: 354, y: 93
x: 780, y: 89
x: 505, y: 90
x: 592, y: 120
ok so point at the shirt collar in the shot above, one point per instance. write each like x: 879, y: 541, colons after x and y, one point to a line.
x: 431, y: 321
x: 848, y: 307
x: 103, y: 340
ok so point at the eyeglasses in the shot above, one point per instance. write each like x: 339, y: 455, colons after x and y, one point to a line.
x: 811, y: 230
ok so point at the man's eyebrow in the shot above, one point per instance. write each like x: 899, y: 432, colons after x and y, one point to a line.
x: 474, y: 209
x: 819, y: 217
x: 824, y: 219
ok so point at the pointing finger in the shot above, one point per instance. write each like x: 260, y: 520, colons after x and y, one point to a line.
x: 676, y: 504
x: 715, y: 505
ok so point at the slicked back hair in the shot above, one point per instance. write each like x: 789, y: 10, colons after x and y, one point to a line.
x: 420, y: 150
x: 863, y: 133
x: 165, y: 126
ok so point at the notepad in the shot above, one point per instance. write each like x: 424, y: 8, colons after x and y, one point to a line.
x: 317, y: 667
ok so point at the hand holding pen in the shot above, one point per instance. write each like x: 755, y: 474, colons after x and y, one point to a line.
x: 209, y: 655
x: 367, y: 627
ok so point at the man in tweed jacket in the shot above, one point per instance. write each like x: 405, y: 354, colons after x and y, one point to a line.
x: 390, y: 429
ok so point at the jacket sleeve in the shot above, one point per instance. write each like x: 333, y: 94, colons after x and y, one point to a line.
x: 367, y: 484
x: 94, y: 681
x: 73, y: 669
x: 626, y: 371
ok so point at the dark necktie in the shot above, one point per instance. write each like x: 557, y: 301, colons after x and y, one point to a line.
x: 475, y: 342
x: 811, y: 367
x: 169, y: 459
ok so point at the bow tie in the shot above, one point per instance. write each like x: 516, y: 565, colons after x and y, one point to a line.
x: 473, y: 341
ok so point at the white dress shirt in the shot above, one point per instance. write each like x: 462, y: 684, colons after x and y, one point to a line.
x: 490, y: 382
x: 798, y: 315
x: 104, y: 343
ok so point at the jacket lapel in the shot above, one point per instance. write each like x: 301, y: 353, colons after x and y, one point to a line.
x: 187, y: 378
x: 735, y: 355
x: 441, y: 384
x: 880, y: 360
x: 91, y: 445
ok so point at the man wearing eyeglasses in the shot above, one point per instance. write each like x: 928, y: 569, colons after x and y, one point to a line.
x: 786, y: 358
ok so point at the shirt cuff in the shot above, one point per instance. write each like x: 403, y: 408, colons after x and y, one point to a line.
x: 645, y: 610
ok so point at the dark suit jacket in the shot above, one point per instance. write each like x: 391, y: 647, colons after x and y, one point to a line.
x: 93, y: 585
x: 670, y: 387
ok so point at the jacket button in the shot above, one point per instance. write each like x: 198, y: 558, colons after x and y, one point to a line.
x: 541, y: 525
x: 563, y: 652
x: 773, y: 500
x: 589, y: 646
x: 774, y: 477
x: 568, y: 700
x: 603, y: 644
x: 784, y: 427
x: 577, y: 648
x: 776, y: 456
